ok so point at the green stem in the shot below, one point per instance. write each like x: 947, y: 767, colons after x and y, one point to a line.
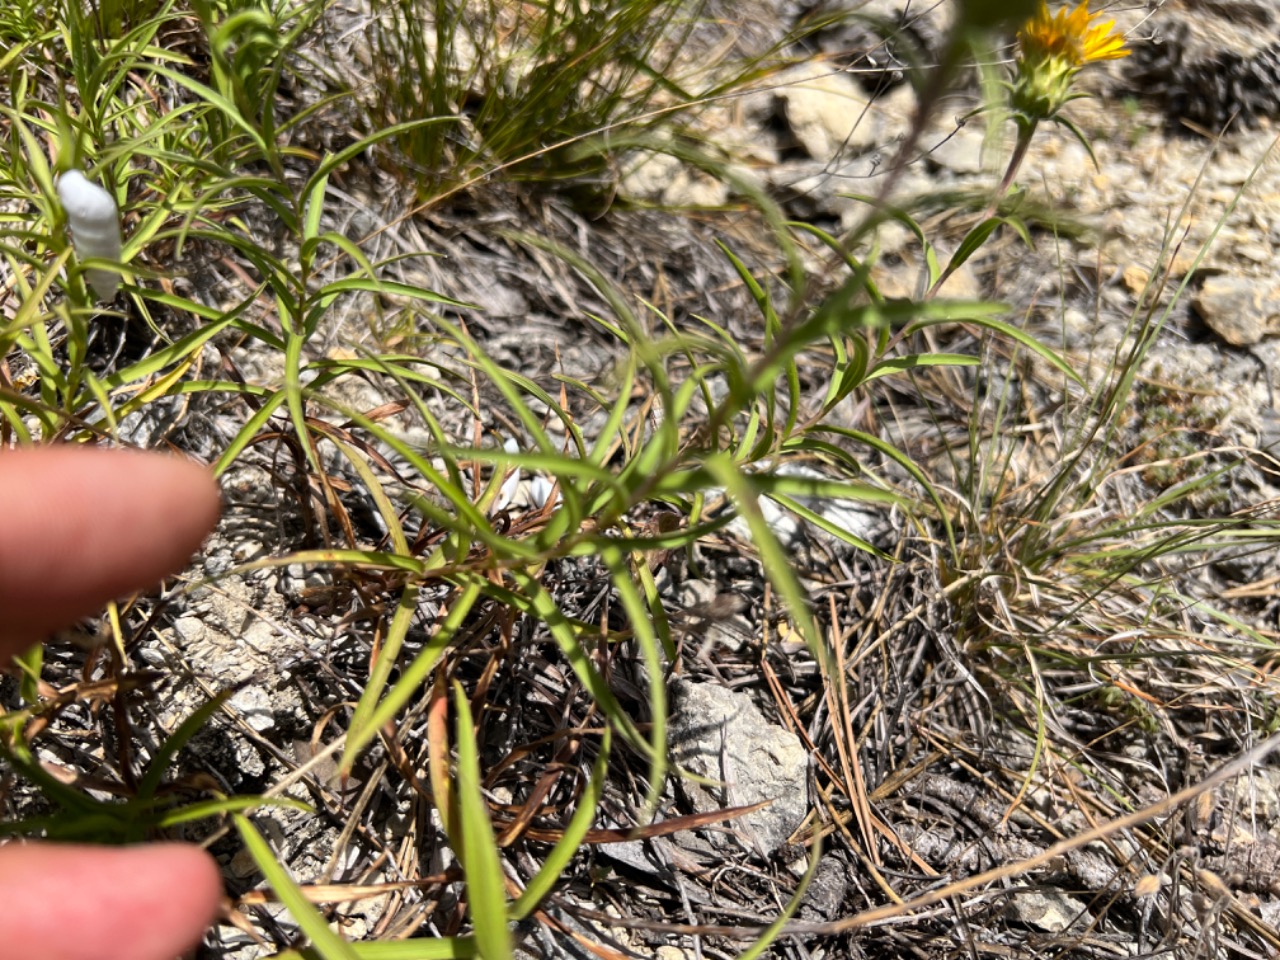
x: 1025, y: 132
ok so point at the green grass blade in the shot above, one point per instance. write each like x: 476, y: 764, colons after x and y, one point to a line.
x: 445, y: 948
x: 327, y: 943
x: 375, y: 709
x: 774, y: 929
x: 638, y: 616
x: 478, y: 850
x: 915, y: 361
x: 773, y: 556
x: 556, y: 863
x: 1010, y: 331
x: 189, y: 727
x: 535, y: 600
x: 193, y: 812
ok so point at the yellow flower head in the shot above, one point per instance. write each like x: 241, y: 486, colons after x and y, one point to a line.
x: 1072, y: 35
x: 1052, y: 49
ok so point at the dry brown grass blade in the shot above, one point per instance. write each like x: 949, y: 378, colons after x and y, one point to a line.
x: 532, y: 806
x: 790, y: 716
x: 838, y: 822
x: 351, y: 892
x: 692, y: 821
x: 438, y: 752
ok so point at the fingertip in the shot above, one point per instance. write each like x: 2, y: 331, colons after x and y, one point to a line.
x: 84, y: 526
x: 99, y: 903
x: 187, y: 866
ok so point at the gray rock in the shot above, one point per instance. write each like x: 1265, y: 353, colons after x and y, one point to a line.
x: 661, y: 178
x: 189, y: 629
x: 963, y: 152
x: 812, y: 188
x: 825, y: 896
x: 1257, y: 252
x: 691, y: 187
x: 1241, y: 311
x: 1269, y: 910
x: 721, y: 735
x: 826, y: 111
x: 1257, y: 796
x: 1048, y: 910
x: 257, y: 707
x: 648, y: 175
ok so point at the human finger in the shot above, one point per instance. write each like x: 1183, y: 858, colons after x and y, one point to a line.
x: 104, y: 903
x: 81, y: 526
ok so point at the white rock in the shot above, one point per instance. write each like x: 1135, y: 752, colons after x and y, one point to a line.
x: 254, y: 703
x: 1048, y: 910
x: 649, y: 176
x: 189, y: 629
x: 1239, y: 310
x: 694, y: 188
x: 540, y: 491
x: 721, y: 734
x: 828, y: 113
x: 963, y: 152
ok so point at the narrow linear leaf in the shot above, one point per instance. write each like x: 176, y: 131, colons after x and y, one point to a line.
x: 1008, y: 330
x: 423, y: 948
x: 771, y: 933
x: 777, y: 563
x: 205, y: 809
x: 556, y: 863
x: 376, y: 710
x: 327, y: 943
x: 189, y: 727
x: 478, y: 851
x: 916, y: 360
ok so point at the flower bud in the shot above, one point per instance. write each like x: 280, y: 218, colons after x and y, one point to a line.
x: 95, y: 228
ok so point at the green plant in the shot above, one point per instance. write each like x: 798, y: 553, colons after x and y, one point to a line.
x: 1137, y: 129
x: 152, y: 806
x: 536, y: 92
